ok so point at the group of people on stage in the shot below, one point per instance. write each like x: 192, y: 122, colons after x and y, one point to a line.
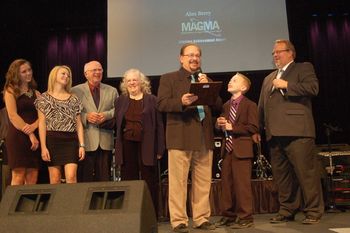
x: 75, y: 129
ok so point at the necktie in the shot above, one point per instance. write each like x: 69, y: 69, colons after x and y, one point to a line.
x: 200, y: 108
x: 231, y: 118
x: 278, y: 76
x: 96, y: 96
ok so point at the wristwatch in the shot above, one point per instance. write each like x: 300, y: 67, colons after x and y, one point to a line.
x: 82, y: 145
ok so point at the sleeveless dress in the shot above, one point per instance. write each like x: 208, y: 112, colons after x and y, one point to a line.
x: 17, y: 143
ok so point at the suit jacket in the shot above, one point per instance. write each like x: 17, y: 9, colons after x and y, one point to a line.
x: 94, y: 135
x: 245, y: 126
x: 184, y: 130
x: 153, y: 130
x: 291, y: 114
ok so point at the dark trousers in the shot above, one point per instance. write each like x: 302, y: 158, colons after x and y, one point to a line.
x: 134, y: 169
x: 96, y: 166
x: 236, y: 198
x: 295, y: 171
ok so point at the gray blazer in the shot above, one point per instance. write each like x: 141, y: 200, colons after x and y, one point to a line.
x: 94, y: 135
x: 291, y: 114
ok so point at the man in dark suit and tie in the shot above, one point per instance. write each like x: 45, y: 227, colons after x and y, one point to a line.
x: 285, y: 112
x: 239, y: 121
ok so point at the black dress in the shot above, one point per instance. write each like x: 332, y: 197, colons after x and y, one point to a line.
x: 17, y: 143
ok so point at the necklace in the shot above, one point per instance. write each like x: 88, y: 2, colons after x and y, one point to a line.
x: 29, y: 93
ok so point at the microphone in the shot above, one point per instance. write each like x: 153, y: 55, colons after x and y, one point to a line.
x: 197, y: 74
x: 226, y: 134
x: 281, y: 91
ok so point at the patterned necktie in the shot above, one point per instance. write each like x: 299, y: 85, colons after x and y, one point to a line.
x: 200, y: 108
x: 231, y: 118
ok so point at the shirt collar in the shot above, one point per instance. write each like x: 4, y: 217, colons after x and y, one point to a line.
x: 92, y: 87
x: 237, y: 101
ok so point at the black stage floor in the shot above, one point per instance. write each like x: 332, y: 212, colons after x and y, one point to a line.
x: 330, y: 223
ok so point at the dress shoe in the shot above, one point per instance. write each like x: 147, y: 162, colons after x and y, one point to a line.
x: 182, y: 228
x: 310, y: 220
x: 225, y: 221
x: 243, y: 223
x: 281, y: 219
x: 206, y: 226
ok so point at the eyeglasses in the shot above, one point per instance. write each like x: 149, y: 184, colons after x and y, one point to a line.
x: 279, y: 51
x: 96, y: 70
x: 193, y: 55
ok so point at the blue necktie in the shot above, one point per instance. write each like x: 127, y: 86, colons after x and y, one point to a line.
x: 200, y: 108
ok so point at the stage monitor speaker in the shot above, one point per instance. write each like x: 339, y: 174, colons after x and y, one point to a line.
x: 123, y: 207
x: 217, y: 160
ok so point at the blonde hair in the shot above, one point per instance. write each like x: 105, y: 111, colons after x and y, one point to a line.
x: 53, y: 76
x: 246, y: 81
x: 145, y: 83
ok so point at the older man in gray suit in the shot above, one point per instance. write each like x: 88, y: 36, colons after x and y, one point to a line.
x: 285, y: 112
x: 98, y: 106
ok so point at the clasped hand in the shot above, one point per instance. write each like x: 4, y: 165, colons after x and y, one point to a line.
x: 96, y: 118
x: 223, y: 123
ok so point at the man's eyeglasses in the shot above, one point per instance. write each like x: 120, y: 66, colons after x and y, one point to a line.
x: 193, y: 55
x: 96, y: 70
x: 279, y: 51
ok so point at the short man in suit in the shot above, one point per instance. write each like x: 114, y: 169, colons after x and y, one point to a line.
x: 285, y: 112
x: 98, y: 106
x: 189, y: 140
x: 239, y: 121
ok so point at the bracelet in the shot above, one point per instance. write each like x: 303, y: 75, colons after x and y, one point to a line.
x: 82, y: 145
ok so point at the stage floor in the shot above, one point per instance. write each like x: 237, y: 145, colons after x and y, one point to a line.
x: 330, y: 223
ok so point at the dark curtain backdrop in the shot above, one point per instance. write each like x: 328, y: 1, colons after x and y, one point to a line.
x: 72, y: 48
x: 329, y: 39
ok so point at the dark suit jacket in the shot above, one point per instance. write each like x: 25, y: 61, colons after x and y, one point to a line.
x: 184, y: 130
x: 245, y: 126
x: 153, y: 129
x: 291, y: 114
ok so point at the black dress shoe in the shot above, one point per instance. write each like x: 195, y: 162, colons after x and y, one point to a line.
x: 225, y: 221
x: 310, y: 220
x: 182, y: 228
x: 281, y: 219
x: 206, y: 226
x: 243, y: 223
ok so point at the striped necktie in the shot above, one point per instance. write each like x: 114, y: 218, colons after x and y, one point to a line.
x: 232, y: 119
x: 200, y: 108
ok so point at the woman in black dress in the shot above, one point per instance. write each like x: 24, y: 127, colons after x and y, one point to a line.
x: 21, y: 140
x: 140, y: 131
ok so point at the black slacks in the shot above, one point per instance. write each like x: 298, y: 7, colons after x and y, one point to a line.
x: 296, y: 172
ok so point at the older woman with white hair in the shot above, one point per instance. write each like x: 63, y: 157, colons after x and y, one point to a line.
x: 140, y: 131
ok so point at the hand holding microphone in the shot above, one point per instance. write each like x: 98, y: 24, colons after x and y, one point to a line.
x: 280, y: 84
x: 202, y: 78
x: 224, y: 124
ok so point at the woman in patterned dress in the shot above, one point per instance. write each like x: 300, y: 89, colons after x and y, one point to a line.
x: 60, y: 126
x: 21, y: 142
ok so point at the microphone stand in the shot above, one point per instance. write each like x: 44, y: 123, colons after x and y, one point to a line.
x: 332, y: 208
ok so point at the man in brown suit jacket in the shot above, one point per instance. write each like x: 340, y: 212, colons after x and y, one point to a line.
x: 189, y: 140
x: 285, y: 112
x: 236, y: 200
